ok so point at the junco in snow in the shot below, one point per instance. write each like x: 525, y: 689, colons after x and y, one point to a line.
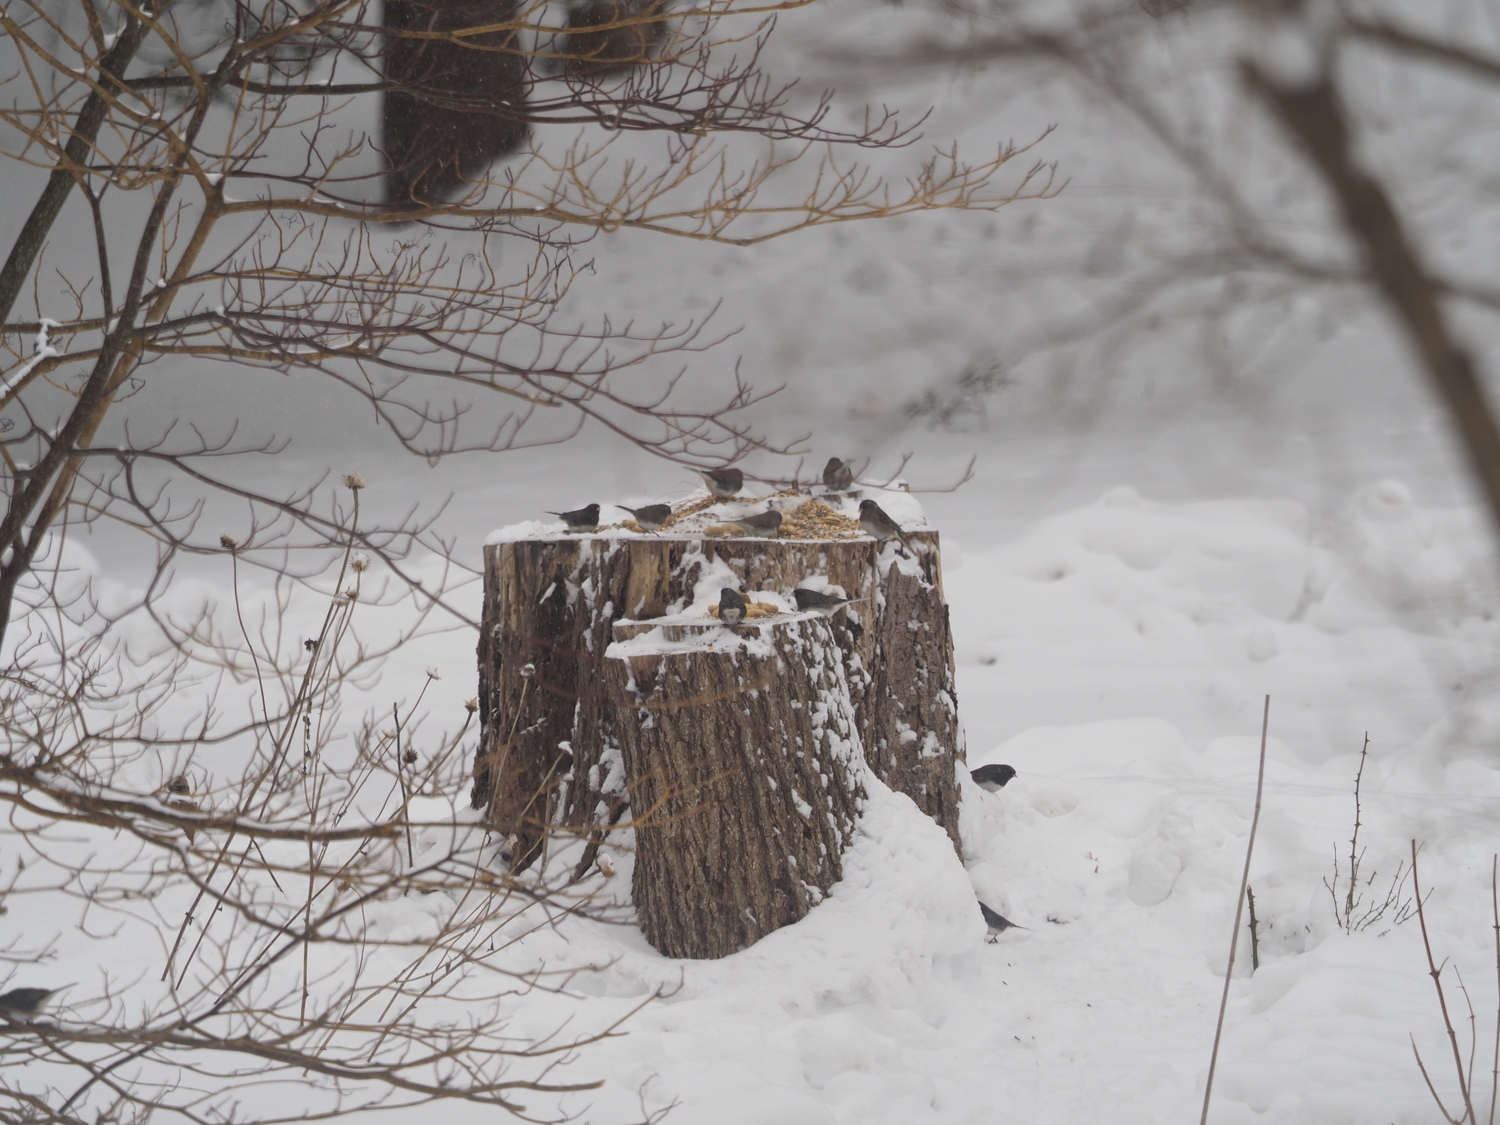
x: 723, y: 483
x: 837, y: 475
x: 998, y: 923
x: 651, y: 517
x: 25, y: 1004
x: 876, y: 523
x: 762, y: 525
x: 815, y: 601
x: 731, y: 606
x: 580, y: 519
x: 992, y: 778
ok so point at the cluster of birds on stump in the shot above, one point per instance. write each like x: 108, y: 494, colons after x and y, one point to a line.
x: 838, y: 476
x: 725, y: 484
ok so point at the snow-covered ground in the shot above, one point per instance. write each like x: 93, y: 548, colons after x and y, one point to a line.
x: 1117, y: 655
x: 1148, y: 548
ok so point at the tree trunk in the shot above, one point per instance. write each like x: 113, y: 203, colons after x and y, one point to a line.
x: 743, y: 757
x: 550, y: 743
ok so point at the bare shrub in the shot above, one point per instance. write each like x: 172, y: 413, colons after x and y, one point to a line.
x: 329, y: 928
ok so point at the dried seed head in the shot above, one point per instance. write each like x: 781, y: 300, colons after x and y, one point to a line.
x: 432, y: 674
x: 353, y: 482
x: 359, y: 563
x: 227, y: 543
x: 527, y: 671
x: 471, y: 705
x: 410, y: 757
x: 352, y: 593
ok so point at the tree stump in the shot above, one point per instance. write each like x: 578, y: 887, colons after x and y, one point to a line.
x: 746, y: 775
x: 561, y: 744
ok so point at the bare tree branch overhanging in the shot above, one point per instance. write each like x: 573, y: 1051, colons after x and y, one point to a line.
x: 328, y: 927
x: 258, y: 246
x: 1197, y: 82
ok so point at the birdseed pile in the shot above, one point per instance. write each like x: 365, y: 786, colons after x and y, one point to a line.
x: 816, y: 520
x: 811, y: 519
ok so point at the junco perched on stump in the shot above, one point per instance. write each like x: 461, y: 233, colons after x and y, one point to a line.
x: 580, y: 519
x: 837, y: 475
x: 762, y: 525
x: 877, y: 524
x: 815, y: 601
x: 992, y: 778
x: 723, y: 483
x: 731, y: 606
x: 998, y: 923
x: 651, y: 517
x: 25, y: 1004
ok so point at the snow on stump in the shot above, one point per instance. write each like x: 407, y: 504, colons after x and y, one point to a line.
x: 743, y: 757
x: 552, y: 741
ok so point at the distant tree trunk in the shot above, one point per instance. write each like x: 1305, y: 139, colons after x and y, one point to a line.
x: 604, y: 37
x: 745, y: 772
x: 457, y: 105
x: 552, y: 752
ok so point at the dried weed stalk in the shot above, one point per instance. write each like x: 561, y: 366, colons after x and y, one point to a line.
x: 291, y: 920
x: 1353, y: 911
x: 1464, y: 1070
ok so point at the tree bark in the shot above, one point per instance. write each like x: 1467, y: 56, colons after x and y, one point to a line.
x: 743, y: 757
x: 909, y: 713
x: 550, y: 744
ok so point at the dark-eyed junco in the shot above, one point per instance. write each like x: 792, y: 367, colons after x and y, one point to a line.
x: 26, y: 1004
x: 762, y: 524
x: 998, y: 923
x: 731, y: 606
x: 815, y: 601
x: 651, y: 517
x: 580, y: 519
x: 992, y: 777
x: 723, y: 483
x: 837, y: 475
x: 876, y: 523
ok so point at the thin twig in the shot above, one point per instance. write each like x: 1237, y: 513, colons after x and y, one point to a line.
x: 1354, y: 839
x: 1435, y: 971
x: 1254, y: 936
x: 1495, y: 906
x: 411, y: 858
x: 1239, y: 906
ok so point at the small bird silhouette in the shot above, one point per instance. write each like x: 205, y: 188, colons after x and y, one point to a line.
x: 837, y: 475
x: 651, y: 517
x: 580, y: 519
x: 762, y: 525
x: 732, y: 606
x: 25, y: 1004
x: 815, y: 601
x: 993, y: 777
x: 876, y: 523
x: 998, y: 923
x: 723, y: 483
